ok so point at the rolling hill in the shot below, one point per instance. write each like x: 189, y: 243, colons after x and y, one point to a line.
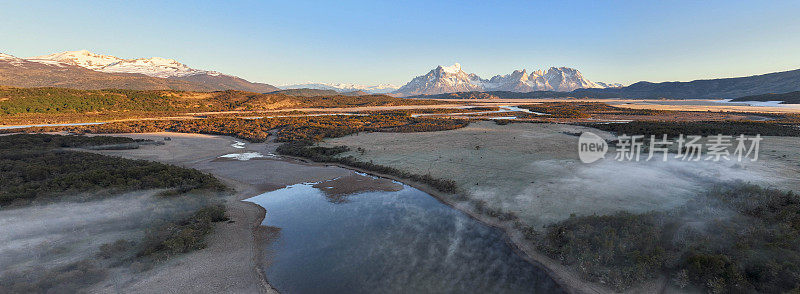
x: 786, y: 98
x: 726, y: 88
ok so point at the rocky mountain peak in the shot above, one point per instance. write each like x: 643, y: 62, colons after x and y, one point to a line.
x: 453, y: 79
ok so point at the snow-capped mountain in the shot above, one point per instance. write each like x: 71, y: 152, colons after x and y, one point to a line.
x: 20, y: 72
x: 344, y: 88
x: 610, y: 85
x: 154, y: 67
x: 13, y: 60
x: 442, y: 80
x: 452, y: 79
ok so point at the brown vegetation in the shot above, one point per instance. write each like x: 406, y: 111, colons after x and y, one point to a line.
x: 288, y: 129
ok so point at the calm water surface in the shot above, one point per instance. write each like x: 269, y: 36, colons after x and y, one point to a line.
x: 387, y: 242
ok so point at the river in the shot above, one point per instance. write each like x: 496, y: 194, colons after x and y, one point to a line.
x: 402, y: 241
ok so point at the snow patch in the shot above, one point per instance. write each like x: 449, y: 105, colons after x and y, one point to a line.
x: 238, y: 145
x: 344, y: 87
x: 453, y: 69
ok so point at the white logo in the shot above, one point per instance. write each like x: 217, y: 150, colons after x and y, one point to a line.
x: 591, y: 147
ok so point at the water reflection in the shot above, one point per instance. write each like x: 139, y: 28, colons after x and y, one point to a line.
x: 339, y: 189
x: 387, y: 241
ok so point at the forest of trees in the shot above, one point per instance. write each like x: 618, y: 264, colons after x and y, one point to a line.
x: 34, y: 167
x: 44, y: 141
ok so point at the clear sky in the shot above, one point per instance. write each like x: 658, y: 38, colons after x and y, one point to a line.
x: 370, y: 42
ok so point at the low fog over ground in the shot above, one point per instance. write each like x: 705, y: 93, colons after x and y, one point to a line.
x: 61, y: 233
x: 533, y: 169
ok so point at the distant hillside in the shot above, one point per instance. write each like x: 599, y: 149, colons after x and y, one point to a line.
x: 787, y: 98
x: 226, y: 82
x: 86, y: 70
x: 779, y: 82
x: 306, y: 92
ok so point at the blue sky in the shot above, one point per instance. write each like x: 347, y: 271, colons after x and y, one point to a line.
x: 370, y: 42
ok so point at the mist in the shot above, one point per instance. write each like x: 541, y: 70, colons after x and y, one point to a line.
x: 58, y: 234
x: 561, y: 188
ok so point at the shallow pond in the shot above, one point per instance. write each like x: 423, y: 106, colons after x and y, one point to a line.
x: 387, y: 242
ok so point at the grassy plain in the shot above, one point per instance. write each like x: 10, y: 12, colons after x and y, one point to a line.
x: 533, y: 169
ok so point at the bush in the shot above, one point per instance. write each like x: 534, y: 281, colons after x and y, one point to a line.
x: 182, y: 236
x: 753, y: 247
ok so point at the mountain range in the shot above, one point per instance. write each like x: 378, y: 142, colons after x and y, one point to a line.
x: 449, y: 79
x: 452, y: 82
x: 86, y: 70
x: 344, y: 88
x: 309, y: 92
